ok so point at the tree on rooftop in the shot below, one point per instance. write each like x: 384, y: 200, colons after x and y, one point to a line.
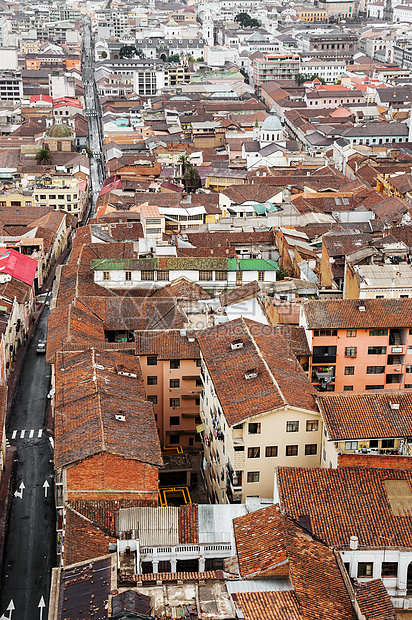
x: 173, y: 58
x: 245, y: 21
x: 104, y: 54
x: 43, y: 157
x: 191, y: 179
x: 184, y: 162
x: 128, y: 51
x: 140, y: 53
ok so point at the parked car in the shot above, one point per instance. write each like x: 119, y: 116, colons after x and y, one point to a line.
x: 41, y: 346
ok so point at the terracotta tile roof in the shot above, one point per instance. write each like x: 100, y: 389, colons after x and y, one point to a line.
x: 340, y: 503
x: 15, y: 289
x: 182, y: 288
x: 268, y: 605
x: 296, y: 338
x: 188, y: 524
x: 403, y: 233
x: 83, y: 540
x: 260, y: 542
x: 227, y: 252
x: 391, y: 210
x: 268, y: 543
x: 345, y: 313
x: 242, y: 293
x: 280, y: 380
x: 69, y: 324
x: 227, y: 239
x: 239, y: 194
x: 367, y: 415
x: 373, y: 600
x: 342, y: 244
x: 98, y: 409
x: 402, y: 182
x: 136, y: 313
x: 167, y: 344
x: 102, y: 512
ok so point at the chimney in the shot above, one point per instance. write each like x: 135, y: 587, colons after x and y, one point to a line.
x: 353, y: 543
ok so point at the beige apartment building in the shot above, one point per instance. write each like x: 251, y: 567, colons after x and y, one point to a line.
x: 258, y: 411
x: 61, y: 194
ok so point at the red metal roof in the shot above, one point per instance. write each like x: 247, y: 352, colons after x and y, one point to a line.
x: 18, y: 266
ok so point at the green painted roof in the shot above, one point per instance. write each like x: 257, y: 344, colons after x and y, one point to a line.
x: 252, y: 264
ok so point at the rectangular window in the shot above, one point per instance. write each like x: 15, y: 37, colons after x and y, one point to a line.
x: 147, y: 275
x: 350, y: 351
x: 239, y: 278
x: 374, y: 387
x: 389, y: 569
x: 163, y: 274
x: 128, y: 276
x: 311, y: 448
x: 365, y: 569
x: 351, y: 333
x: 378, y: 332
x: 312, y: 425
x: 375, y: 370
x: 292, y: 427
x: 152, y: 360
x: 349, y: 370
x: 221, y: 276
x: 106, y: 275
x: 351, y: 445
x: 174, y: 364
x: 271, y: 451
x: 206, y: 276
x: 253, y: 476
x: 174, y: 439
x: 291, y: 450
x: 261, y: 276
x: 198, y: 363
x: 348, y: 388
x: 376, y: 350
x: 388, y: 443
x: 253, y: 453
x: 152, y: 398
x: 175, y: 402
x: 151, y: 380
x: 254, y: 428
x: 174, y: 383
x: 174, y: 420
x: 325, y: 332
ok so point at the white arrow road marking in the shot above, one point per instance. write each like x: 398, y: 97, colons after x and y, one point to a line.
x: 41, y: 606
x: 46, y: 487
x: 19, y: 494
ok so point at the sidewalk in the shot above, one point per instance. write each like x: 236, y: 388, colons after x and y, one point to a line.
x: 5, y: 499
x: 47, y: 285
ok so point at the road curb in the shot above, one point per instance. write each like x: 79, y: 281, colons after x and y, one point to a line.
x: 6, y: 489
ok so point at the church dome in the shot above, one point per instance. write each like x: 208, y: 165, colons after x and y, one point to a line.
x: 59, y: 131
x: 272, y: 122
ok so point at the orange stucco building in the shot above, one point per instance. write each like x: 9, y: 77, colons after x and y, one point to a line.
x: 359, y: 344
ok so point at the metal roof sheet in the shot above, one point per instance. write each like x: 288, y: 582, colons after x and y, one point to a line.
x: 156, y: 527
x: 215, y: 522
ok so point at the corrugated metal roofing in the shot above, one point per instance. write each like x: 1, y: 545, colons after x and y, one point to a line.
x: 215, y: 522
x: 252, y: 264
x: 157, y: 527
x: 258, y: 585
x: 18, y: 266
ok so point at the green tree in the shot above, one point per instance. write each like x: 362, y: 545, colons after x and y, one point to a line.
x: 173, y: 58
x: 184, y: 162
x: 128, y: 51
x: 140, y: 53
x: 191, y: 179
x: 43, y: 157
x: 104, y: 54
x: 245, y: 21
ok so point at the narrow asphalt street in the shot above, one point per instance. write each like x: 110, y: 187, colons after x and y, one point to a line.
x: 93, y: 114
x: 29, y: 551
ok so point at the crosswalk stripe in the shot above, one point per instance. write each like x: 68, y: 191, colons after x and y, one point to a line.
x: 39, y: 434
x: 31, y: 433
x: 14, y: 435
x: 22, y: 434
